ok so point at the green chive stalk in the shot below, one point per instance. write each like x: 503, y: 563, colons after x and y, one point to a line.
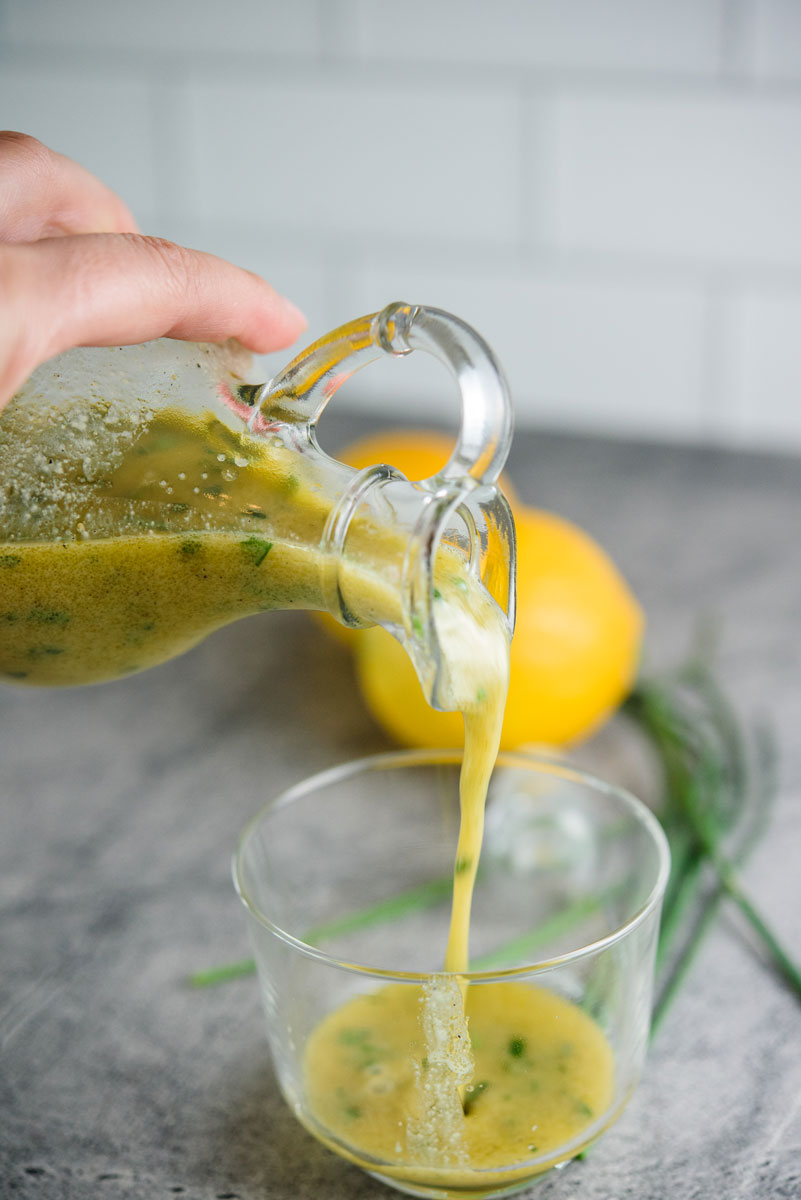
x: 718, y: 787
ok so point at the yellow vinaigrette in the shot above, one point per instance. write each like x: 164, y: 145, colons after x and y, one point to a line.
x: 543, y: 1072
x: 149, y: 574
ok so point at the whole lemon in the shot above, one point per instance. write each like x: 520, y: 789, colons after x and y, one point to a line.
x: 575, y: 650
x: 418, y: 453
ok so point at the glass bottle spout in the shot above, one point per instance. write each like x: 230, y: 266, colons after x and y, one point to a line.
x: 460, y: 511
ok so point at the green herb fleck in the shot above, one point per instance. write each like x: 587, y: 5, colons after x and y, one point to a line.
x: 248, y: 393
x: 437, y: 594
x: 417, y: 625
x: 42, y: 651
x: 223, y: 435
x: 462, y: 865
x: 532, y: 1149
x: 359, y: 1040
x: 517, y: 1047
x: 159, y: 441
x: 17, y: 674
x: 179, y: 507
x: 191, y: 547
x: 424, y: 1063
x: 256, y: 549
x: 48, y: 616
x: 583, y: 1107
x: 481, y: 695
x: 289, y: 484
x: 353, y: 1111
x: 10, y: 560
x: 472, y: 1093
x: 354, y: 1037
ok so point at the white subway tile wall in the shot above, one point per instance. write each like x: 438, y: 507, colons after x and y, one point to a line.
x: 606, y: 35
x: 762, y: 354
x: 176, y: 29
x: 331, y: 160
x: 100, y: 117
x: 610, y: 190
x: 601, y: 355
x: 700, y: 177
x: 777, y: 38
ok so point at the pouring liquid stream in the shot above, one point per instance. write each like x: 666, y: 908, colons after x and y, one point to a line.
x: 504, y: 1072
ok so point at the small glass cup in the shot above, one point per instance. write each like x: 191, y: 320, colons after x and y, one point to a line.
x: 346, y: 879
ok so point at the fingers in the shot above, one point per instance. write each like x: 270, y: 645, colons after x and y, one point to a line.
x: 112, y: 289
x: 44, y: 194
x: 74, y: 272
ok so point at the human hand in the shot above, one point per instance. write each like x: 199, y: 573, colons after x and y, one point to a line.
x: 75, y: 271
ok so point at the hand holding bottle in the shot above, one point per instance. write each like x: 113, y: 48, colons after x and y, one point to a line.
x: 75, y: 271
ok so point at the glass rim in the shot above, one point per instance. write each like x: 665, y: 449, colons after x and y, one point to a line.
x: 431, y: 757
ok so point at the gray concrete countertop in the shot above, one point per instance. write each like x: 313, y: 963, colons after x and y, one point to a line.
x: 121, y: 805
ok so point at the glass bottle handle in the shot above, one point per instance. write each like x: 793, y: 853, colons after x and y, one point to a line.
x: 298, y: 395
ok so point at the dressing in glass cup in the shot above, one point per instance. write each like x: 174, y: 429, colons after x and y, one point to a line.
x: 346, y: 879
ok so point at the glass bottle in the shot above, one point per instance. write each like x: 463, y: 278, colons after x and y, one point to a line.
x: 150, y: 494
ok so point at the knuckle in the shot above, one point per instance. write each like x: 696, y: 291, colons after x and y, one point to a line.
x: 175, y: 262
